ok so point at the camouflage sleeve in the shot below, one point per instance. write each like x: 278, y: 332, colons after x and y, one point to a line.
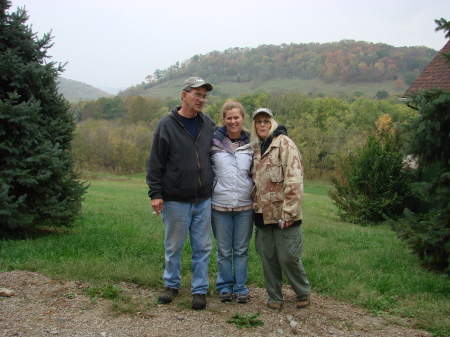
x: 293, y: 180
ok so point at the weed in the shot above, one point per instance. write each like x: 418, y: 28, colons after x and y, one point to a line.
x: 104, y: 291
x: 246, y: 321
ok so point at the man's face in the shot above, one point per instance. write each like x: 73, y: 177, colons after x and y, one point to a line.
x: 195, y: 99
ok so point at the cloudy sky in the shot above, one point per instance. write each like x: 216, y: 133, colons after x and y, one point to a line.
x: 117, y: 43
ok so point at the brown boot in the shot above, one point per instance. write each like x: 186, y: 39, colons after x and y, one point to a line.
x: 302, y: 304
x: 275, y: 305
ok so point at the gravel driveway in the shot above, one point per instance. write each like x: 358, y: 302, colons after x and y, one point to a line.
x: 42, y: 306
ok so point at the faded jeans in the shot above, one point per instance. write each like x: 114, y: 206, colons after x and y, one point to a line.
x: 180, y: 219
x: 233, y: 231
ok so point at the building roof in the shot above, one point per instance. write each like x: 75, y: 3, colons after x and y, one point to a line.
x: 435, y: 75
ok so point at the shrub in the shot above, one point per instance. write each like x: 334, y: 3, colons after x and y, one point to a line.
x: 372, y: 182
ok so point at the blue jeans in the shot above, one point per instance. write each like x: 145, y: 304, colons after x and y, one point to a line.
x: 233, y: 231
x: 179, y: 219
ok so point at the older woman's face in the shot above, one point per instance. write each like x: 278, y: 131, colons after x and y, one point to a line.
x: 262, y: 125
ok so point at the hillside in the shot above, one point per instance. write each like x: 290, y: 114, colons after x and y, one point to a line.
x: 75, y: 91
x: 172, y: 88
x: 329, y: 68
x: 341, y: 68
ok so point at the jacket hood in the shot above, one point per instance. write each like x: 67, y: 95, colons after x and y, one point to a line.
x: 280, y: 130
x: 244, y: 135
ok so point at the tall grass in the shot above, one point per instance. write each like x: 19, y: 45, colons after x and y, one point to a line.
x: 117, y: 238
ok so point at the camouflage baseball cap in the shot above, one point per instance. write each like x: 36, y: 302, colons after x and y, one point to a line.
x: 195, y: 82
x: 262, y: 111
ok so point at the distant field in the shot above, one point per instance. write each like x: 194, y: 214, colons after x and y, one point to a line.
x: 172, y: 88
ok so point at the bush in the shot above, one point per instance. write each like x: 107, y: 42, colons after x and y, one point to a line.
x: 372, y: 182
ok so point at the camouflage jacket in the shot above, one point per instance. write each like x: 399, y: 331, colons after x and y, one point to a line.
x: 278, y: 178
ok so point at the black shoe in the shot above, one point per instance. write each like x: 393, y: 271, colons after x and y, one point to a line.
x: 198, y: 301
x: 166, y: 296
x: 225, y: 297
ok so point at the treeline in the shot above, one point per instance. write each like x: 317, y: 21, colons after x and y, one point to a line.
x: 347, y: 61
x: 115, y: 134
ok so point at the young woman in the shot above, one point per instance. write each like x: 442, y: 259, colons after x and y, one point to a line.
x: 232, y: 212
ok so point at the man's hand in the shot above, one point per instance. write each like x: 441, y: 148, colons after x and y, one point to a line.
x: 157, y: 205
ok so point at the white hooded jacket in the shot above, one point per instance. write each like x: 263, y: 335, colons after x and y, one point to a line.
x: 232, y: 185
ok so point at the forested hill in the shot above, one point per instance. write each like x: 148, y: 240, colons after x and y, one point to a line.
x: 347, y: 61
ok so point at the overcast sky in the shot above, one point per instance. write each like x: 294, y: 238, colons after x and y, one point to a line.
x: 117, y: 43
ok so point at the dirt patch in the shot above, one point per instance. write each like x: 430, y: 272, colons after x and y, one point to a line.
x: 42, y: 306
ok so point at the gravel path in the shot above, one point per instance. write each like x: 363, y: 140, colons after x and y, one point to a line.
x: 42, y: 306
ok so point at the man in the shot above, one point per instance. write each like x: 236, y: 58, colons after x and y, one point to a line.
x: 180, y: 179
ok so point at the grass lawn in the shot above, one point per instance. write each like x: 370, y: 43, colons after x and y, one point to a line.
x: 117, y: 238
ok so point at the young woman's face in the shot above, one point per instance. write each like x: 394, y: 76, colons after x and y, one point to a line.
x: 233, y: 122
x: 262, y: 125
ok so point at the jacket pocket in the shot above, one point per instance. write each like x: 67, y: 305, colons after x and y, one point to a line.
x: 276, y: 174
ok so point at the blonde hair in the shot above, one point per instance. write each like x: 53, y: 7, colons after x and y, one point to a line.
x: 254, y: 138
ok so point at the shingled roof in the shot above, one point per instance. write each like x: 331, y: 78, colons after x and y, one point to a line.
x: 435, y: 75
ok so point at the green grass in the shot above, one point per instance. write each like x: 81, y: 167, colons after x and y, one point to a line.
x: 118, y: 239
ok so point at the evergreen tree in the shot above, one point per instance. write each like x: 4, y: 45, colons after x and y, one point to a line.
x: 427, y: 228
x: 38, y: 185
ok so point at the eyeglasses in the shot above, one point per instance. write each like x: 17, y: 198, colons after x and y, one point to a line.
x: 261, y: 122
x: 199, y: 96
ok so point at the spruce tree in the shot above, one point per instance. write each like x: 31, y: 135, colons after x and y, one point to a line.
x: 426, y: 227
x: 38, y: 184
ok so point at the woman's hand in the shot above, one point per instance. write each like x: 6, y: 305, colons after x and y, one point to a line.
x: 286, y: 224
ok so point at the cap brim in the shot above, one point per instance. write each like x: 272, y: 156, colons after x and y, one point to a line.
x: 262, y: 112
x: 207, y: 86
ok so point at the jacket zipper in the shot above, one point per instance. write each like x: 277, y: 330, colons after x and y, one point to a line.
x: 198, y: 159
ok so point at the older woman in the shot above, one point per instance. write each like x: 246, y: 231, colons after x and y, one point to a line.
x: 277, y: 201
x: 232, y: 212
